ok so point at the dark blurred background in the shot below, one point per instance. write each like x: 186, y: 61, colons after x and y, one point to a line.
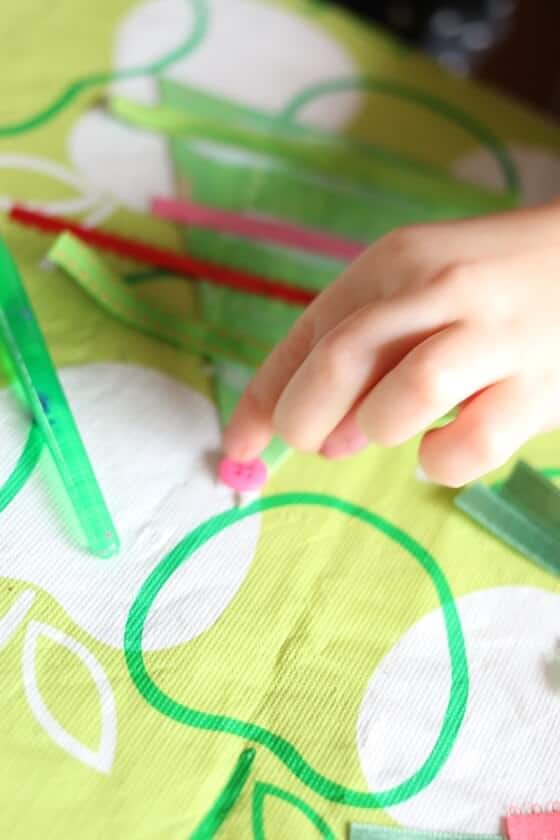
x: 513, y: 44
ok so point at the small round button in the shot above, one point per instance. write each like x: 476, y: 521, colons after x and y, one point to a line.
x: 243, y: 476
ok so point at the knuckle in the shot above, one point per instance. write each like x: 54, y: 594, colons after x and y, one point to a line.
x: 428, y: 379
x: 333, y: 359
x: 455, y: 278
x: 467, y: 283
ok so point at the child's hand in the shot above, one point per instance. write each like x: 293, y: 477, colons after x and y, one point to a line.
x: 431, y: 317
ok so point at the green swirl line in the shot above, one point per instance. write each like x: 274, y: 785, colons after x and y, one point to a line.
x: 441, y: 107
x: 218, y: 813
x: 75, y: 88
x: 279, y: 746
x: 262, y: 790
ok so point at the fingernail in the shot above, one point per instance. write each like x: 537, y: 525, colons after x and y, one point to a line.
x: 335, y: 447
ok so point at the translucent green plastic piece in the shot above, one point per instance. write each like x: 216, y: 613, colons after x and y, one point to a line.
x: 525, y: 514
x: 284, y: 144
x: 32, y: 362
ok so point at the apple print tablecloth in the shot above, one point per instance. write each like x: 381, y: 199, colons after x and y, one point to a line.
x: 347, y: 648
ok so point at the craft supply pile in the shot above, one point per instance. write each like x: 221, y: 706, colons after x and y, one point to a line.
x: 289, y: 648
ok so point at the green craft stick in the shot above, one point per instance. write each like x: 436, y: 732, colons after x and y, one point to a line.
x: 30, y: 356
x: 360, y: 831
x: 530, y: 491
x: 203, y: 103
x: 512, y: 524
x: 336, y: 157
x: 110, y: 292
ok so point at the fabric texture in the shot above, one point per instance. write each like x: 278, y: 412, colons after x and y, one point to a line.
x: 346, y: 648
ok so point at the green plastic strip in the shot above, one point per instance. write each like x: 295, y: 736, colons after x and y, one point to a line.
x: 510, y: 515
x: 529, y: 490
x: 110, y: 292
x: 375, y: 832
x: 319, y: 152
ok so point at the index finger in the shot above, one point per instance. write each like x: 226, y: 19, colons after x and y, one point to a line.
x: 251, y: 426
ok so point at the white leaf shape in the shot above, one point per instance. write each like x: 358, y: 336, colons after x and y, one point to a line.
x: 12, y: 620
x: 100, y: 759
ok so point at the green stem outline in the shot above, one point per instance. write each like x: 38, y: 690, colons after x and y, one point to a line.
x: 263, y: 789
x: 78, y: 86
x: 220, y: 810
x: 25, y: 465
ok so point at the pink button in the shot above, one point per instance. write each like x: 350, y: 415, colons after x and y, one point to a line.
x: 243, y: 477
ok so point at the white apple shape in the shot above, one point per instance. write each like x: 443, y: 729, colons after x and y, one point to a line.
x: 149, y: 438
x: 508, y: 749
